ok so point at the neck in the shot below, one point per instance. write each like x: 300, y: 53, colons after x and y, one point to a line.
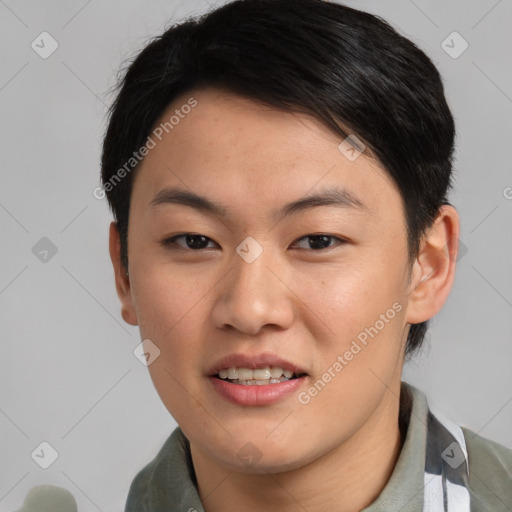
x: 346, y: 479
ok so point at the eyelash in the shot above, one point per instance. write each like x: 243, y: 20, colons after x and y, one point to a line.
x: 170, y: 243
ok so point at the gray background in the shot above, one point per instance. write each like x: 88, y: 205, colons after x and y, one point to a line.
x: 68, y: 373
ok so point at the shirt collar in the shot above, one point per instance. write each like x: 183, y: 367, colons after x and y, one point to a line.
x: 170, y: 478
x: 404, y: 490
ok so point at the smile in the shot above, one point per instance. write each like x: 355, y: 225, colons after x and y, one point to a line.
x: 256, y: 377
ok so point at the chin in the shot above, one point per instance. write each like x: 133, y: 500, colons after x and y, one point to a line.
x: 261, y: 456
x: 269, y: 464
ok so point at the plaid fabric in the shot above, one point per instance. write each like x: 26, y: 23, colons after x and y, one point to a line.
x: 446, y: 468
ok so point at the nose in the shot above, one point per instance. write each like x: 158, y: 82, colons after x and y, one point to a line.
x: 254, y: 295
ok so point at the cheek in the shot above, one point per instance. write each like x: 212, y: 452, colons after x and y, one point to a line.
x: 346, y: 298
x: 359, y: 315
x: 167, y: 303
x: 171, y: 313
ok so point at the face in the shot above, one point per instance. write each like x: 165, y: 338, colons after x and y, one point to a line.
x: 236, y: 271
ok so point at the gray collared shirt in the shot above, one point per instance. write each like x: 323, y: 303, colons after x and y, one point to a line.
x: 168, y: 482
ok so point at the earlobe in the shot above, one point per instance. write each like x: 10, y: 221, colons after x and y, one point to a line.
x: 121, y: 276
x: 433, y: 271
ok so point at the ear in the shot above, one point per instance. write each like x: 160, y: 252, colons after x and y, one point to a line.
x: 433, y: 270
x: 122, y: 280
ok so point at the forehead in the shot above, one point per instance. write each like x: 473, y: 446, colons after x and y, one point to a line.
x: 250, y: 155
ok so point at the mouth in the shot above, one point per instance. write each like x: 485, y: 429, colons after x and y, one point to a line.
x: 257, y: 379
x: 257, y: 376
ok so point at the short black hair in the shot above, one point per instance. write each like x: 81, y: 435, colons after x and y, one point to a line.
x: 346, y: 67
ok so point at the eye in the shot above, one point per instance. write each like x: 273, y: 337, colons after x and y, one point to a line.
x: 196, y: 242
x: 191, y: 241
x: 321, y: 241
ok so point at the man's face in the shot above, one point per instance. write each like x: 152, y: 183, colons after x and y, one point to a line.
x: 256, y: 283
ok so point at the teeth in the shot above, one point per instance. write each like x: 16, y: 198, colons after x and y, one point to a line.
x: 258, y: 376
x: 261, y: 373
x: 232, y: 373
x: 276, y: 372
x: 245, y: 374
x: 255, y: 382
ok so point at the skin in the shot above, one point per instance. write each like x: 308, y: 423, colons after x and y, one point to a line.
x: 303, y: 304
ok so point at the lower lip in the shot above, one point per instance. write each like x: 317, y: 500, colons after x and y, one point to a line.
x: 256, y: 395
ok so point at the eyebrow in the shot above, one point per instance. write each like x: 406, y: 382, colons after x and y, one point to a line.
x: 328, y: 196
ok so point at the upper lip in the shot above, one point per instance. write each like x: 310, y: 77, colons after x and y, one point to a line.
x: 254, y: 361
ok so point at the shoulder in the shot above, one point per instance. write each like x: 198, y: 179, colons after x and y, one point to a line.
x: 490, y: 473
x: 159, y: 481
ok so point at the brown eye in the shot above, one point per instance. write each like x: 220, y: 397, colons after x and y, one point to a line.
x: 322, y: 241
x: 189, y: 241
